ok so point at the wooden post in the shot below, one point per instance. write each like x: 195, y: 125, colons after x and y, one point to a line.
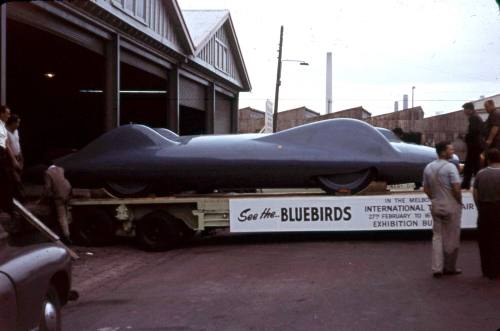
x: 235, y: 114
x: 112, y: 85
x: 43, y: 228
x: 173, y: 100
x: 3, y: 54
x: 210, y: 109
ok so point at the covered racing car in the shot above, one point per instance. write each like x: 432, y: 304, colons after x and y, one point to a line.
x: 338, y: 154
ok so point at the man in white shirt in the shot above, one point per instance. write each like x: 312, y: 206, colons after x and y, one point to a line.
x: 442, y: 186
x: 12, y: 126
x: 4, y: 117
x: 14, y: 145
x: 9, y: 189
x: 6, y: 180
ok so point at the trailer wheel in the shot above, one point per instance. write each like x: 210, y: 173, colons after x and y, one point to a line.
x: 92, y: 226
x: 128, y: 190
x: 346, y: 183
x: 159, y: 231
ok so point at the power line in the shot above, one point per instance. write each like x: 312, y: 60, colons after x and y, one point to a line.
x: 419, y: 100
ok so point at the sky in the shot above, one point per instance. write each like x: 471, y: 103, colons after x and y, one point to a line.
x: 448, y: 49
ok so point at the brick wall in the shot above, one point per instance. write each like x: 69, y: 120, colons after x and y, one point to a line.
x: 250, y: 120
x: 294, y: 117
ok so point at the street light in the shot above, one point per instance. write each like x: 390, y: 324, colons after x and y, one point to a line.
x: 302, y: 63
x: 278, y: 80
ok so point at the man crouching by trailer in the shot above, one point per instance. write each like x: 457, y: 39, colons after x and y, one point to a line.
x: 58, y: 190
x: 442, y: 186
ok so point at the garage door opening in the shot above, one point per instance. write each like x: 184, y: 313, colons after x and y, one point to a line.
x: 143, y: 98
x: 45, y: 79
x: 192, y: 110
x: 192, y: 121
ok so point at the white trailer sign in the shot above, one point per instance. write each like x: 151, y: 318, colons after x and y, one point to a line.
x: 334, y: 213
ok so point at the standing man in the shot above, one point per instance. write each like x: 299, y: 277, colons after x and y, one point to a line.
x: 473, y: 141
x: 492, y: 138
x: 442, y: 186
x: 6, y: 179
x: 487, y: 199
x: 12, y: 125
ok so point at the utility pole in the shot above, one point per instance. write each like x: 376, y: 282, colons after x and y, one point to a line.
x: 278, y: 83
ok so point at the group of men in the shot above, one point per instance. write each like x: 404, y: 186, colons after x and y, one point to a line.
x: 11, y: 161
x: 480, y: 137
x: 57, y: 188
x: 443, y: 186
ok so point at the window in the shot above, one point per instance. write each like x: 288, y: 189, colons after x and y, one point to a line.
x: 221, y: 56
x: 133, y: 8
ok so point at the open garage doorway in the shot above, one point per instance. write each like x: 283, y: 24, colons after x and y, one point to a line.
x: 192, y: 121
x: 47, y: 77
x: 143, y: 98
x: 192, y: 110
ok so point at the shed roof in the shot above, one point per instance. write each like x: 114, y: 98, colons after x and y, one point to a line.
x: 360, y: 108
x: 252, y: 109
x: 487, y: 98
x: 185, y: 37
x: 395, y: 114
x: 202, y: 24
x: 304, y: 108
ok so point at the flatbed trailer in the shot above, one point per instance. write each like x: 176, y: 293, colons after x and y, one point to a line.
x: 163, y: 222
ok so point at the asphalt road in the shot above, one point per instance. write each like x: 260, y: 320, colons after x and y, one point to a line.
x: 282, y: 282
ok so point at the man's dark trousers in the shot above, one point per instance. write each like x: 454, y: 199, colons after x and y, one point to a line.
x: 472, y: 165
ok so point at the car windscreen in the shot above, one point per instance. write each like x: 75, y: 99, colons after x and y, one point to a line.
x: 389, y: 135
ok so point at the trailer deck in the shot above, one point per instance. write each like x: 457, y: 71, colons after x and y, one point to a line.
x: 157, y: 218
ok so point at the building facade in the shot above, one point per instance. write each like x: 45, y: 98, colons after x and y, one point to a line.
x: 75, y: 69
x: 251, y: 120
x: 294, y: 117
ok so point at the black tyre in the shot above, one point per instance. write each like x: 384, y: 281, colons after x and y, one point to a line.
x: 128, y: 189
x: 346, y: 183
x: 50, y: 316
x: 159, y: 231
x: 92, y: 226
